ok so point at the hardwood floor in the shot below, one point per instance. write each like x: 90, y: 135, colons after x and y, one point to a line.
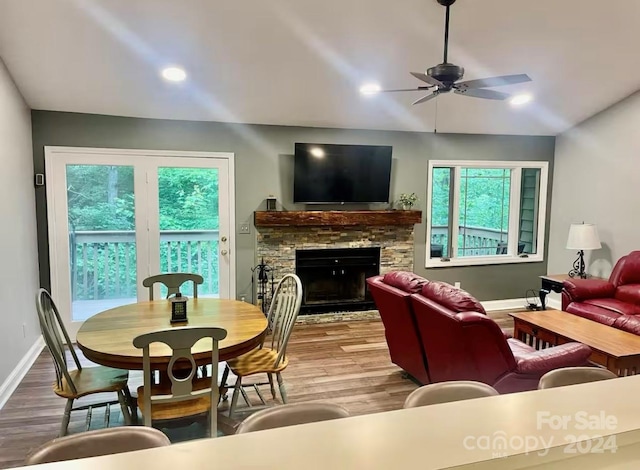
x: 345, y: 363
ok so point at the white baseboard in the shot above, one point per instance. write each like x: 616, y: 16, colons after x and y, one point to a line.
x: 18, y: 373
x: 554, y: 303
x: 506, y: 304
x: 512, y: 304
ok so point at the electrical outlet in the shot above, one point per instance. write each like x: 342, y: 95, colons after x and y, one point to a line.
x: 245, y: 228
x: 457, y: 285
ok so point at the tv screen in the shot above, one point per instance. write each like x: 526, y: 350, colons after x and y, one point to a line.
x: 328, y: 173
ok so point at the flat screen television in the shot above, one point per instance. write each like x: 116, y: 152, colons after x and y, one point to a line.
x: 329, y: 173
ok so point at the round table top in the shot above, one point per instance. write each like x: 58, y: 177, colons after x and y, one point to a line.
x: 107, y: 338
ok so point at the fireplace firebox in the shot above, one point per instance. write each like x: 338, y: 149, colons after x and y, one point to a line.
x: 334, y: 279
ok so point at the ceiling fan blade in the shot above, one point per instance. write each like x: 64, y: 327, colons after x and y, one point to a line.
x: 427, y: 79
x: 482, y: 93
x: 426, y: 98
x: 495, y: 81
x: 420, y: 88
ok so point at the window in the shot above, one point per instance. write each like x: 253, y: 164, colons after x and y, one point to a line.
x: 487, y: 212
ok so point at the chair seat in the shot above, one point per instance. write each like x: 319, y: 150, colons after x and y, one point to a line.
x: 93, y: 380
x: 179, y: 409
x: 256, y: 362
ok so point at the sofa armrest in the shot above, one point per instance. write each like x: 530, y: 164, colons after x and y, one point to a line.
x: 582, y: 289
x: 541, y: 362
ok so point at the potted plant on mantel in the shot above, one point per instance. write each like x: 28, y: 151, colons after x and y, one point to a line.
x: 407, y: 201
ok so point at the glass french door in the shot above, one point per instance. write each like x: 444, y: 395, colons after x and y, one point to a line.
x: 117, y: 217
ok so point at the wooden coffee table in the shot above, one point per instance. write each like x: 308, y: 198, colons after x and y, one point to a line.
x: 614, y: 349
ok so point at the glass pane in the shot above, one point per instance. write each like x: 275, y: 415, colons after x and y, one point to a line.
x: 484, y: 211
x: 189, y: 226
x: 529, y: 202
x: 102, y: 242
x: 441, y: 212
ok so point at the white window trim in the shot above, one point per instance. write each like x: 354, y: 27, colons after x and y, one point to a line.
x: 511, y: 257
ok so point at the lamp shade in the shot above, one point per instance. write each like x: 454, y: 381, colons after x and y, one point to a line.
x: 583, y: 237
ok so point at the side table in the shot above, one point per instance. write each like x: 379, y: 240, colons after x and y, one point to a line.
x: 554, y: 283
x: 551, y: 283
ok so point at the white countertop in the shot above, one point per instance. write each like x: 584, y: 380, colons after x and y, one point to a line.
x: 464, y: 433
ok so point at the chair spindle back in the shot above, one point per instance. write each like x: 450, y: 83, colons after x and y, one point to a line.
x: 283, y: 312
x: 51, y: 326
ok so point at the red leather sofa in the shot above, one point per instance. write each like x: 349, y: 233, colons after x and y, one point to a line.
x: 463, y: 343
x: 392, y: 295
x: 448, y: 330
x: 615, y: 302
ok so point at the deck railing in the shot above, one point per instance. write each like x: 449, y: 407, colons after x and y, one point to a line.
x: 478, y: 241
x: 103, y: 263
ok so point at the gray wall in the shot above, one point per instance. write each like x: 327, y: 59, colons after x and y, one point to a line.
x: 19, y: 260
x: 264, y: 166
x: 597, y: 176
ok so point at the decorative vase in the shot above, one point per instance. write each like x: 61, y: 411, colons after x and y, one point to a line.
x: 406, y: 207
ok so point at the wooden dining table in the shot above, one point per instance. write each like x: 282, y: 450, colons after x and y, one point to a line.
x: 107, y: 337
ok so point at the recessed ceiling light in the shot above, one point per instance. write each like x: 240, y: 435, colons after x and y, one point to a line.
x: 370, y: 89
x: 317, y: 152
x: 174, y: 74
x: 519, y: 100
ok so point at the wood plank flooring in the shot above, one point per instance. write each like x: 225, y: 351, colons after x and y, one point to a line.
x: 345, y: 363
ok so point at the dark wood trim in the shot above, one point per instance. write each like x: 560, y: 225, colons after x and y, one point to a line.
x: 336, y: 218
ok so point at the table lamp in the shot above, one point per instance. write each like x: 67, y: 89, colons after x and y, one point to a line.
x: 582, y: 237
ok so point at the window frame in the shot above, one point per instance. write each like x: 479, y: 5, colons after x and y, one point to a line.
x: 512, y: 256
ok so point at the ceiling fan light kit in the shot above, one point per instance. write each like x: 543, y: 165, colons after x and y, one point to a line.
x: 444, y: 77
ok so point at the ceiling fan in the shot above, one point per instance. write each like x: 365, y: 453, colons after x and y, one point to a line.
x: 444, y: 77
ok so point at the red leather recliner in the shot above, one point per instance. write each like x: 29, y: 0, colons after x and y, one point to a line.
x: 468, y: 345
x: 392, y: 295
x: 615, y: 302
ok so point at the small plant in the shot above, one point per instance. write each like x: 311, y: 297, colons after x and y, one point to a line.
x: 407, y: 200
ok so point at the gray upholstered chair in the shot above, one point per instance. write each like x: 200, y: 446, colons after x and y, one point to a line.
x: 290, y: 415
x: 100, y: 442
x: 270, y: 358
x: 573, y: 376
x: 173, y: 281
x: 83, y: 381
x: 181, y: 396
x: 444, y: 392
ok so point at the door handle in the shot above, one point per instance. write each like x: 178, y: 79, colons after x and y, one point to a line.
x: 223, y: 239
x: 223, y: 252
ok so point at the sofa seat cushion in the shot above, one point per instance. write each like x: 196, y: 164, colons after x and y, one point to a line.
x: 405, y: 281
x: 518, y: 348
x: 593, y: 312
x: 628, y: 323
x: 451, y: 297
x: 629, y: 293
x: 615, y: 306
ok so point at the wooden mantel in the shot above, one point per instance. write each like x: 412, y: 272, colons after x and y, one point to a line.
x: 336, y: 218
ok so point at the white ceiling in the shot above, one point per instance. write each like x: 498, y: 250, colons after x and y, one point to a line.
x: 301, y: 62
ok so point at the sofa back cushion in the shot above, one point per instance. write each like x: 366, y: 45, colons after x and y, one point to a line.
x: 461, y: 346
x: 628, y: 293
x: 443, y: 341
x: 487, y: 346
x: 405, y: 281
x: 451, y: 297
x: 405, y: 345
x: 626, y: 270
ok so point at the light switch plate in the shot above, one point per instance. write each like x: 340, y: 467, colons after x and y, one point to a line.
x: 245, y: 228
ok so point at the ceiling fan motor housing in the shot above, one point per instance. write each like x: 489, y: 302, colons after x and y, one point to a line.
x: 446, y: 3
x: 446, y: 73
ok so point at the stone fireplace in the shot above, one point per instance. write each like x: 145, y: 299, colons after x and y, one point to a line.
x: 334, y: 278
x: 333, y: 252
